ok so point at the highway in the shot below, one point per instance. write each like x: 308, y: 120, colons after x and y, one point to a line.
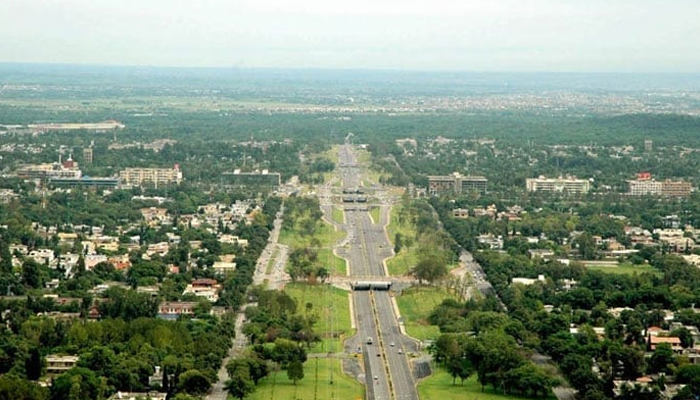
x: 387, y: 371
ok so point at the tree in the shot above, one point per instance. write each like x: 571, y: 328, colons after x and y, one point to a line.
x: 295, y: 371
x: 587, y: 248
x: 33, y: 274
x: 662, y: 359
x: 194, y: 382
x: 429, y: 269
x: 15, y: 388
x: 684, y: 335
x: 34, y: 364
x: 76, y: 384
x: 240, y: 383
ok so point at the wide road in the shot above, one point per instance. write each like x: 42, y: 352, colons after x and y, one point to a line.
x: 387, y: 370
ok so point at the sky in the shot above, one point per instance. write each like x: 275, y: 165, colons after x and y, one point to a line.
x: 443, y: 35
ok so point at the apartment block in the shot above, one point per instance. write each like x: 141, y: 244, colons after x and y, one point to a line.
x: 567, y: 184
x: 154, y: 176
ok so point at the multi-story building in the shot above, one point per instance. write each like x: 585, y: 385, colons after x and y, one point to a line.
x: 645, y: 185
x: 456, y: 184
x: 67, y: 170
x: 87, y: 155
x: 154, y: 176
x: 641, y: 187
x: 262, y: 178
x: 676, y: 188
x: 567, y: 184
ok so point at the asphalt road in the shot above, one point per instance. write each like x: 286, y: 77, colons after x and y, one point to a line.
x: 387, y: 371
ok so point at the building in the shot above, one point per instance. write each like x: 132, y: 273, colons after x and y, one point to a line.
x: 153, y: 176
x: 172, y: 310
x: 49, y: 170
x: 456, y: 184
x: 645, y: 185
x: 569, y: 185
x: 85, y: 181
x: 262, y: 178
x: 58, y: 364
x: 87, y: 155
x: 648, y: 145
x: 671, y: 188
x: 139, y: 396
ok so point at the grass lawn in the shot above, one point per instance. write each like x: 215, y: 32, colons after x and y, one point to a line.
x: 336, y: 265
x: 338, y: 215
x: 325, y: 233
x: 375, y: 212
x: 315, y: 385
x: 401, y: 263
x: 327, y: 302
x: 628, y: 269
x: 439, y: 387
x: 327, y: 237
x: 416, y: 304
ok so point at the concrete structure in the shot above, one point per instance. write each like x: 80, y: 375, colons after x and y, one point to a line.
x: 87, y: 155
x: 171, y: 310
x: 85, y: 181
x: 456, y: 184
x: 645, y: 185
x: 671, y: 188
x: 49, y: 170
x: 58, y: 364
x: 568, y: 184
x: 95, y: 127
x: 154, y: 176
x: 262, y: 178
x: 642, y: 187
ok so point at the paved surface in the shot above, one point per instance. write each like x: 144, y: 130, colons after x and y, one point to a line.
x: 387, y: 370
x: 277, y: 254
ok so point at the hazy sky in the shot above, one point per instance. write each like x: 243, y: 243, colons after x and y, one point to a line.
x: 468, y: 35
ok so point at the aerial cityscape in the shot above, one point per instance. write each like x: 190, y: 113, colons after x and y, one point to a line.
x: 309, y: 201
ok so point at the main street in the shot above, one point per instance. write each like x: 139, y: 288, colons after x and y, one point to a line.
x: 387, y: 371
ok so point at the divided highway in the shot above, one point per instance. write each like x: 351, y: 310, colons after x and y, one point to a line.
x: 387, y: 371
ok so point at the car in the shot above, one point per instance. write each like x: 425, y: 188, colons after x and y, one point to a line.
x: 376, y: 377
x: 379, y: 355
x: 400, y: 351
x: 392, y: 344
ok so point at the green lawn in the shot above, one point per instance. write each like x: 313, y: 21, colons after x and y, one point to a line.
x: 336, y: 265
x: 375, y: 212
x: 415, y: 305
x: 406, y: 258
x: 628, y: 269
x: 327, y: 302
x: 439, y: 387
x: 316, y: 384
x: 325, y: 233
x: 401, y: 263
x: 338, y: 215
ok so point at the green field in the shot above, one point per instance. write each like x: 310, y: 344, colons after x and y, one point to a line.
x: 338, y: 215
x: 327, y: 236
x: 439, y: 387
x: 406, y: 259
x: 415, y: 305
x: 329, y: 304
x: 375, y: 212
x: 315, y: 385
x: 628, y: 269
